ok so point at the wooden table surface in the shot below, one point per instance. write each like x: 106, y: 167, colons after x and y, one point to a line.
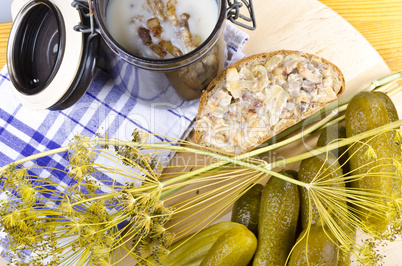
x: 379, y: 21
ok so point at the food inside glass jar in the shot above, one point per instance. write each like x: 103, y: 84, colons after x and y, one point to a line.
x: 161, y: 29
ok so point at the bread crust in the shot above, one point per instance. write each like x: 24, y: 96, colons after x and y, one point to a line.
x: 220, y: 81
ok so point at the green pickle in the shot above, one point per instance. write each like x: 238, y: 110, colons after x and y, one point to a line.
x: 389, y: 105
x: 367, y: 111
x: 246, y: 209
x: 315, y: 248
x: 318, y: 168
x: 192, y: 249
x: 279, y: 211
x: 236, y: 247
x: 392, y: 117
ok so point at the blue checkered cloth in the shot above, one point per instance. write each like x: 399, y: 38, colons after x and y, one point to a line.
x: 103, y: 109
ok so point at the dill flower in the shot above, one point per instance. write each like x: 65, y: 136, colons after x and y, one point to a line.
x: 370, y: 153
x: 92, y: 221
x: 27, y: 193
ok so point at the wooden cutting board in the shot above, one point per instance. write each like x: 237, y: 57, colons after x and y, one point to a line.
x: 310, y: 26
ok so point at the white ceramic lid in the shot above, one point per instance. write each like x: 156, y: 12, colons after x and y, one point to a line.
x: 70, y: 63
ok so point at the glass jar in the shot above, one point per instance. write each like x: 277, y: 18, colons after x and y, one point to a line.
x: 189, y: 74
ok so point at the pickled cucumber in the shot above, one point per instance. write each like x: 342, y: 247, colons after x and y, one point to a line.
x: 389, y: 105
x: 392, y: 116
x: 247, y: 207
x: 367, y: 111
x: 236, y: 247
x: 318, y: 168
x: 192, y: 249
x: 314, y: 248
x: 328, y: 136
x: 279, y: 211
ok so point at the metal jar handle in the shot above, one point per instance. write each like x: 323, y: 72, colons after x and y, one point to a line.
x: 233, y: 14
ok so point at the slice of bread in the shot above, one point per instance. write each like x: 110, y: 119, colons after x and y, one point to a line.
x: 262, y: 95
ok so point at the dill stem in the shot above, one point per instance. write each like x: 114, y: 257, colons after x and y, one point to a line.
x: 334, y: 121
x: 235, y: 160
x: 186, y: 176
x: 36, y: 156
x: 392, y: 92
x: 384, y: 80
x: 256, y: 152
x: 129, y: 251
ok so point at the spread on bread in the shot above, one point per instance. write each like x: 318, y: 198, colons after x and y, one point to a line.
x: 262, y: 95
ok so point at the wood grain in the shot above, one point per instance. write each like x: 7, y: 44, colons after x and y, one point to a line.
x: 379, y: 21
x: 4, y: 32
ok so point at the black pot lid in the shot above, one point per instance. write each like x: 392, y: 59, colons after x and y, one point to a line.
x: 51, y: 60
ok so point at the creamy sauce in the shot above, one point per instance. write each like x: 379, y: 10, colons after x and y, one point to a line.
x: 125, y: 17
